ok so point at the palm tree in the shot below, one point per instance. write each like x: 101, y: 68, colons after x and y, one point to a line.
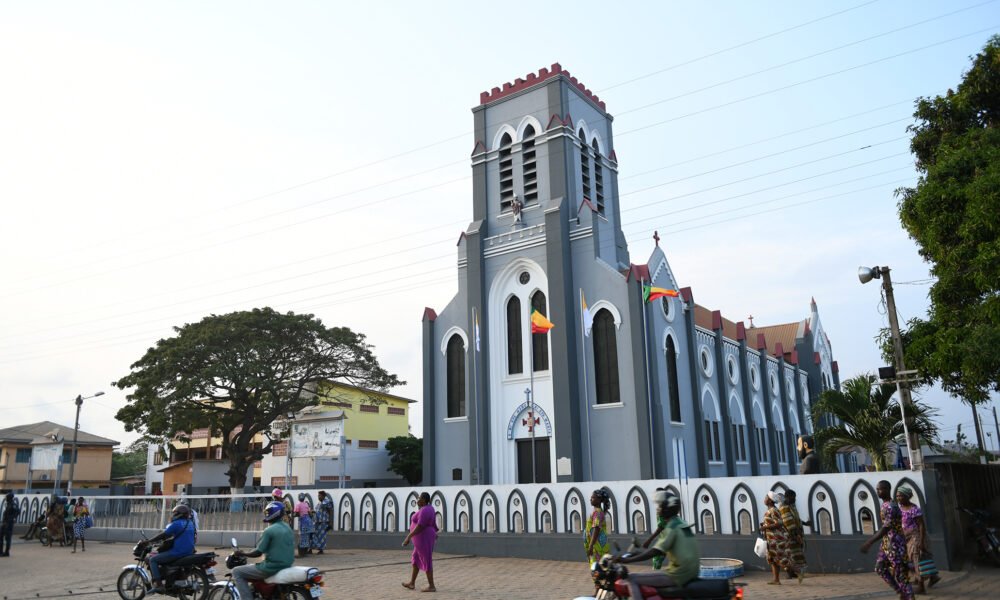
x: 865, y: 414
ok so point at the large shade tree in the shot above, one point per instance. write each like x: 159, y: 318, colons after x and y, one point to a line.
x: 240, y: 373
x: 867, y: 416
x: 952, y: 215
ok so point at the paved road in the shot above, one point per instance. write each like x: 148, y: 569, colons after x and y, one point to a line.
x: 36, y: 572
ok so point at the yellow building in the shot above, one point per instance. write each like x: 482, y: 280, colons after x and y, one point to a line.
x: 368, y: 420
x: 93, y: 465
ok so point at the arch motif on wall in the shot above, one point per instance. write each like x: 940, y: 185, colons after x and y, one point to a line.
x: 487, y: 508
x: 640, y: 506
x: 440, y: 505
x: 708, y: 393
x: 856, y: 504
x: 516, y: 505
x: 545, y: 507
x: 410, y: 507
x: 569, y: 508
x: 528, y: 120
x: 505, y: 128
x: 779, y: 487
x: 390, y: 512
x: 830, y: 503
x: 612, y: 523
x: 512, y: 423
x: 460, y: 510
x: 616, y: 316
x: 453, y: 330
x: 700, y: 505
x: 668, y: 332
x: 369, y: 514
x: 346, y: 512
x: 750, y: 504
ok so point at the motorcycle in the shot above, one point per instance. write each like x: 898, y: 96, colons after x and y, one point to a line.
x: 185, y: 578
x: 293, y: 583
x: 611, y: 579
x: 46, y: 538
x: 986, y: 537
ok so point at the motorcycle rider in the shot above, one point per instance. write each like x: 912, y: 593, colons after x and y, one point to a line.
x: 676, y: 541
x: 181, y: 530
x: 277, y: 544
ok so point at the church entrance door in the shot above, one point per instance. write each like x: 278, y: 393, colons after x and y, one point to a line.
x: 543, y: 473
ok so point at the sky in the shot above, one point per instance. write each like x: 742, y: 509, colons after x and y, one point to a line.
x: 160, y: 162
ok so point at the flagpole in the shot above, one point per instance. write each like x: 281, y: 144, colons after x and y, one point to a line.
x: 531, y: 397
x: 649, y: 387
x: 475, y: 396
x: 586, y: 389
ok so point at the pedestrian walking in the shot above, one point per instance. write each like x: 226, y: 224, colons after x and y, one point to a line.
x: 81, y: 523
x: 56, y: 521
x: 796, y: 536
x: 323, y: 522
x: 7, y: 520
x: 918, y: 550
x: 595, y: 538
x: 423, y: 533
x: 304, y: 512
x: 892, y: 563
x: 776, y: 537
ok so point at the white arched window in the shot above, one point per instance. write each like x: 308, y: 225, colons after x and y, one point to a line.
x: 739, y: 429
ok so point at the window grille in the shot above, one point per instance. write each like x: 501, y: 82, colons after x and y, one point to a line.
x: 529, y: 165
x: 506, y: 174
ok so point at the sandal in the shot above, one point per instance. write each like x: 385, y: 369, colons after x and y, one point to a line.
x: 408, y: 586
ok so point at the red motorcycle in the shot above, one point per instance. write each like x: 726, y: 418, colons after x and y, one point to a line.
x: 293, y: 583
x: 611, y: 579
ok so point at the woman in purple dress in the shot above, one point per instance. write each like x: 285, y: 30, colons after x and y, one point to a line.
x: 423, y: 532
x: 917, y: 549
x: 892, y: 564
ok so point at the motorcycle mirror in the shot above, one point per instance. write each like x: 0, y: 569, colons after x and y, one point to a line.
x: 233, y: 542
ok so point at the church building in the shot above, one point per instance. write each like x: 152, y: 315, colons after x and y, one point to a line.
x: 620, y: 388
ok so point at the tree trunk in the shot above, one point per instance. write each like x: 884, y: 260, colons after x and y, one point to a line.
x: 979, y: 430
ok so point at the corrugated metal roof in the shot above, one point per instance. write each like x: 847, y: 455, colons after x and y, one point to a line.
x: 784, y: 334
x: 26, y: 434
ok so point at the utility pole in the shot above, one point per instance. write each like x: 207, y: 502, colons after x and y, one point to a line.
x: 906, y: 404
x: 76, y: 429
x: 866, y: 274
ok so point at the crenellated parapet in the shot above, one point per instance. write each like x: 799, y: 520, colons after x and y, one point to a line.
x: 533, y: 79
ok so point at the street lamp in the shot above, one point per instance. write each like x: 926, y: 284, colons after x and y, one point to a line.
x: 866, y: 274
x: 76, y: 429
x: 288, y: 462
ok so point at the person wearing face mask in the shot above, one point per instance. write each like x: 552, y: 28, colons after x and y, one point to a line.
x: 809, y: 464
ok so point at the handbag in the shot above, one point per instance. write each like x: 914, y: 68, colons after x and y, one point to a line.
x: 926, y: 566
x: 88, y: 522
x: 760, y: 547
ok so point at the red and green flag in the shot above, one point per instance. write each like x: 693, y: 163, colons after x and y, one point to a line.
x: 650, y: 293
x: 539, y: 324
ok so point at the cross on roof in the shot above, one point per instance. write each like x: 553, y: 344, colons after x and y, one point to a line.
x: 656, y: 238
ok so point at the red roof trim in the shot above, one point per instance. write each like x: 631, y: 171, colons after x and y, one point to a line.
x: 761, y: 342
x: 716, y: 320
x: 794, y: 359
x: 816, y: 358
x: 779, y: 350
x: 532, y: 79
x: 429, y: 314
x: 741, y: 331
x: 687, y: 294
x: 835, y: 367
x: 586, y: 201
x: 478, y: 148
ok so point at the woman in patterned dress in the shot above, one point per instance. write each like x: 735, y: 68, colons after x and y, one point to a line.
x: 304, y: 512
x: 80, y: 514
x: 796, y: 536
x: 596, y: 534
x: 323, y: 524
x: 916, y: 538
x: 892, y: 564
x: 776, y: 536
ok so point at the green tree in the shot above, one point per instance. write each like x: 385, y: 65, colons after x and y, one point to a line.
x: 952, y: 216
x: 130, y: 461
x: 406, y: 457
x: 238, y: 374
x: 868, y: 417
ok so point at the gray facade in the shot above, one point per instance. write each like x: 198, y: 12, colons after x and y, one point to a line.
x: 655, y: 390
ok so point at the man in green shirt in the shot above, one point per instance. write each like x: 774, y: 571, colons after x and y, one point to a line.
x: 277, y: 544
x: 676, y: 542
